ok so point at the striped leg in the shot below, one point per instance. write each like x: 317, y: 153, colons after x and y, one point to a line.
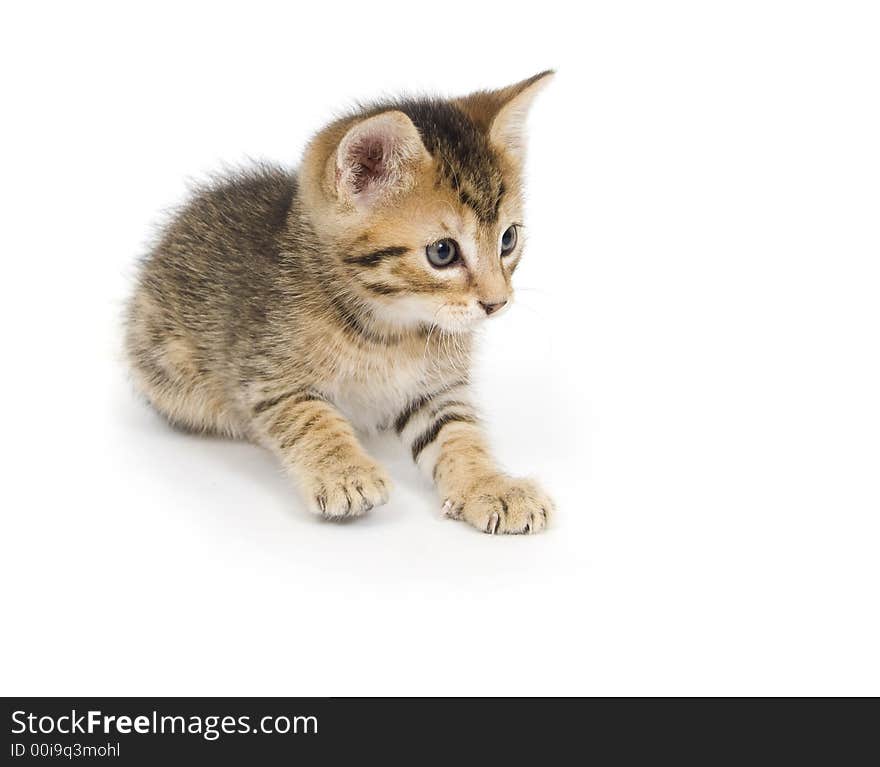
x: 447, y: 443
x: 319, y: 448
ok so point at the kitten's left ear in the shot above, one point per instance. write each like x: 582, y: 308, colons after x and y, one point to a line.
x: 502, y: 113
x: 378, y: 157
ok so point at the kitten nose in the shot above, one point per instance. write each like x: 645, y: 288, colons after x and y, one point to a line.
x: 492, y: 308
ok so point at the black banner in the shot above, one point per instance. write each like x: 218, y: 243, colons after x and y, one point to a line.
x: 241, y: 731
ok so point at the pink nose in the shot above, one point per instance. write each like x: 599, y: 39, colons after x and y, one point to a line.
x: 492, y: 308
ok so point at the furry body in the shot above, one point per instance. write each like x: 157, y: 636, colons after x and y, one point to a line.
x: 291, y: 309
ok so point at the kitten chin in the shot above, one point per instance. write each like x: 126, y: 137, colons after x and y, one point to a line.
x: 289, y: 308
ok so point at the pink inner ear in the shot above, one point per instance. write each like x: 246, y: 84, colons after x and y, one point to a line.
x: 368, y: 158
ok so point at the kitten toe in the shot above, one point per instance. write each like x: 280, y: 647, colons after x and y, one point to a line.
x: 350, y: 491
x: 503, y: 505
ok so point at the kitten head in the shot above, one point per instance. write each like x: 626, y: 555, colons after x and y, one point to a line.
x: 423, y: 201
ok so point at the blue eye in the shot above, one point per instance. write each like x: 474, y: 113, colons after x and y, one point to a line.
x: 508, y: 240
x: 442, y: 253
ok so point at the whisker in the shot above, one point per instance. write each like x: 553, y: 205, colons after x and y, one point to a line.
x: 530, y: 289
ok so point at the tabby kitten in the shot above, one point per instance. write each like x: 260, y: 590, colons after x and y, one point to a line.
x: 293, y: 308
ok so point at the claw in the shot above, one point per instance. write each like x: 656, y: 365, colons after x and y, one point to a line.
x: 492, y: 527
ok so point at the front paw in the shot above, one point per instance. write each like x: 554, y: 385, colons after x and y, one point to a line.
x: 501, y: 504
x: 349, y: 489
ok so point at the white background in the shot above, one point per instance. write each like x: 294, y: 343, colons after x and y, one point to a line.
x: 691, y: 367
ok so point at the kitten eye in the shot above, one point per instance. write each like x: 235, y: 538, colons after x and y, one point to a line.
x: 508, y: 240
x: 442, y: 253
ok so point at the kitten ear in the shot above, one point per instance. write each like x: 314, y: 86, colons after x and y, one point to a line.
x: 502, y: 113
x: 378, y: 157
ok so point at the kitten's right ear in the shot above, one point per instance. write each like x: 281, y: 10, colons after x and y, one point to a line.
x: 377, y: 158
x: 502, y: 113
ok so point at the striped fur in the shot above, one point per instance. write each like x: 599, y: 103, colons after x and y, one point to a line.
x: 296, y: 309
